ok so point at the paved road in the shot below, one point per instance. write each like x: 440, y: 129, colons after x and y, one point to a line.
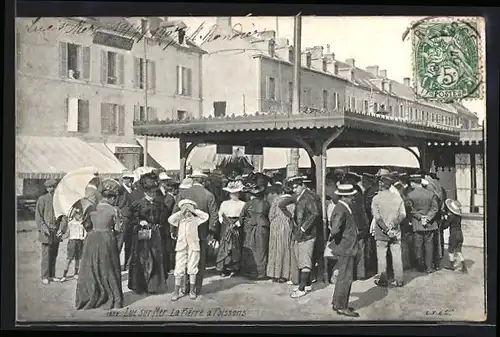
x: 456, y: 296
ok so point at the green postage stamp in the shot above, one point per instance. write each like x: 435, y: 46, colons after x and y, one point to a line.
x: 447, y: 60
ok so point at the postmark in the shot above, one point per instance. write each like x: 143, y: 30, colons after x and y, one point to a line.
x: 447, y: 63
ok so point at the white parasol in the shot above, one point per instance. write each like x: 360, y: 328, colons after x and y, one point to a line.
x: 71, y: 189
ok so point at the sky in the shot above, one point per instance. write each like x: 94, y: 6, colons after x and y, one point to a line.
x: 370, y: 41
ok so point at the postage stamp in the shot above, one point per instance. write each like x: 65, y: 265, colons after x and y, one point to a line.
x: 446, y: 60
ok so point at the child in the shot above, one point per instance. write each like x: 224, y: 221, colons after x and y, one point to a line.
x: 187, y: 248
x: 453, y: 220
x: 75, y: 233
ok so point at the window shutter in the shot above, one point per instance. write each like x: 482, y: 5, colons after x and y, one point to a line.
x: 137, y: 112
x: 120, y: 65
x: 63, y: 59
x: 72, y: 122
x: 179, y: 80
x: 104, y: 67
x: 151, y: 75
x: 83, y: 116
x: 137, y: 73
x: 268, y: 85
x: 121, y: 120
x: 152, y: 114
x: 105, y: 112
x: 86, y: 63
x: 66, y: 109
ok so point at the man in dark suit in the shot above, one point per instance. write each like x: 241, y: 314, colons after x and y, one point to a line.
x: 206, y: 202
x: 166, y: 191
x: 306, y: 218
x: 343, y: 242
x: 48, y: 227
x: 124, y: 237
x: 424, y: 210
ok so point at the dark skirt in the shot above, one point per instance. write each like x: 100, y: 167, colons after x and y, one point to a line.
x: 99, y: 282
x: 147, y: 265
x: 229, y: 253
x: 255, y: 252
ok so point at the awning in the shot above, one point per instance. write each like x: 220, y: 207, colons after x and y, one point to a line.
x: 166, y: 152
x: 52, y: 157
x: 275, y: 158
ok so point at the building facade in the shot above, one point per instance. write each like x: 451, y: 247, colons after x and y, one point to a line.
x: 90, y: 78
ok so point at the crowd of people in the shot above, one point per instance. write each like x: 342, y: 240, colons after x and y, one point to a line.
x: 266, y: 228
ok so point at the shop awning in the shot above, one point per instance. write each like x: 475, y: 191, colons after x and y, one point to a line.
x: 52, y: 157
x: 275, y: 158
x: 166, y: 152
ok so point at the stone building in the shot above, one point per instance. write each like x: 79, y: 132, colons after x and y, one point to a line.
x: 88, y: 79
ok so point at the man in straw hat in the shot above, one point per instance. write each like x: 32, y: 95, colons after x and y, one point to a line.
x: 453, y: 221
x: 205, y: 201
x: 424, y: 210
x: 187, y: 249
x: 304, y: 231
x: 343, y: 242
x: 388, y: 212
x: 47, y: 226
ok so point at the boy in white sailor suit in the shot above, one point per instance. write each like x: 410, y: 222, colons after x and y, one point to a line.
x: 185, y: 223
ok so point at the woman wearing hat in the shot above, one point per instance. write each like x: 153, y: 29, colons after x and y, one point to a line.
x: 229, y: 254
x: 280, y: 237
x: 147, y: 259
x: 255, y: 223
x: 453, y: 220
x: 99, y: 283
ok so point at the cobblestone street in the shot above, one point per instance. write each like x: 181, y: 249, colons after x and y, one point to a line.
x: 452, y: 296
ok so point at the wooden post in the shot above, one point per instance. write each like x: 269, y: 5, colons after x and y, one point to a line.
x: 293, y: 164
x: 183, y: 158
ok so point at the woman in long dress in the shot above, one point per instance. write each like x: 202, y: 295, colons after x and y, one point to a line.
x: 280, y: 236
x: 99, y: 283
x: 147, y: 261
x: 255, y: 222
x: 229, y: 254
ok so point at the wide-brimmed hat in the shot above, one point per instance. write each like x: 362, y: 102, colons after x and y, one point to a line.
x: 345, y: 190
x: 198, y: 174
x: 454, y: 206
x: 110, y: 187
x: 296, y: 180
x: 186, y: 183
x: 50, y: 183
x: 394, y: 174
x: 128, y: 174
x: 382, y: 172
x: 387, y: 180
x: 368, y: 176
x: 415, y: 178
x: 164, y: 176
x: 234, y: 187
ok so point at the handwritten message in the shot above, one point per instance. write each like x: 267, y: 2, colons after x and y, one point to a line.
x: 172, y: 312
x: 164, y: 36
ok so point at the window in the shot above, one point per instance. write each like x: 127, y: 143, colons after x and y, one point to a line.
x: 308, y: 60
x: 184, y: 81
x: 375, y: 107
x: 324, y: 65
x: 325, y: 99
x: 390, y: 110
x: 271, y: 88
x: 353, y: 104
x: 290, y: 92
x: 77, y: 118
x: 335, y: 98
x: 336, y: 69
x: 433, y: 117
x: 306, y: 98
x: 382, y: 85
x: 145, y: 72
x: 365, y: 106
x: 74, y: 61
x: 143, y: 114
x: 290, y: 55
x: 182, y: 114
x: 401, y: 111
x: 220, y: 109
x: 112, y: 119
x: 112, y: 68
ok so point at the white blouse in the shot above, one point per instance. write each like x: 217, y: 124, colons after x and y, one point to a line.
x: 231, y: 209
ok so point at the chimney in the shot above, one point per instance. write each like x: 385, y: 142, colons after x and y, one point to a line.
x: 268, y: 34
x: 156, y: 22
x: 347, y: 73
x: 350, y: 62
x: 224, y: 22
x: 383, y: 73
x: 283, y: 49
x: 328, y: 49
x: 373, y: 70
x: 306, y: 59
x: 316, y: 57
x: 407, y: 81
x: 331, y: 65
